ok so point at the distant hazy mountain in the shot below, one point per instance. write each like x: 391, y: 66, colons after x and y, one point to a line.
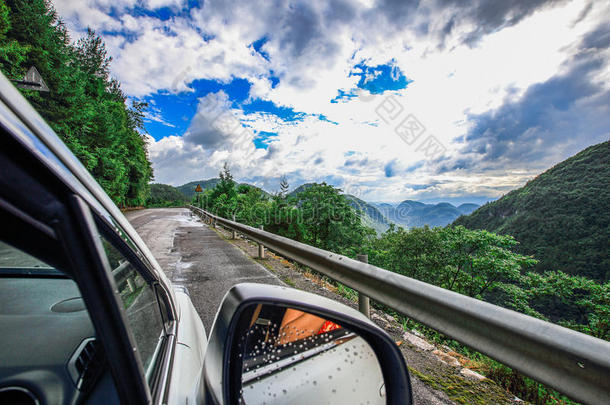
x: 408, y: 213
x: 411, y: 213
x: 561, y: 217
x: 466, y: 209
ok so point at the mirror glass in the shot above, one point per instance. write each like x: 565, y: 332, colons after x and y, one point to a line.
x: 291, y: 356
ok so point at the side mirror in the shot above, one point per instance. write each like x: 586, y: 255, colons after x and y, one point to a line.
x: 273, y: 344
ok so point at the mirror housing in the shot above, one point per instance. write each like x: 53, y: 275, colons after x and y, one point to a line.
x: 222, y: 369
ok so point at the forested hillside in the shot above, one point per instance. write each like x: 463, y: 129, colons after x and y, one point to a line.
x: 370, y: 215
x: 561, y: 216
x: 163, y: 195
x: 84, y: 105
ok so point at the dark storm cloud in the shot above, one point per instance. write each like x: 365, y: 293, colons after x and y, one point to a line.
x: 339, y: 11
x: 486, y: 16
x: 598, y: 39
x: 491, y: 15
x: 301, y: 26
x: 552, y: 120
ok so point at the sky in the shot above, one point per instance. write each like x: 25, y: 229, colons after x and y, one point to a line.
x: 388, y: 100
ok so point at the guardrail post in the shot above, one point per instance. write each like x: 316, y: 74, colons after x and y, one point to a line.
x: 261, y: 247
x: 131, y: 285
x: 364, y: 304
x: 233, y: 234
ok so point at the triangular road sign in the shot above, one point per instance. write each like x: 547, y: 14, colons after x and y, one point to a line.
x: 198, y: 189
x: 33, y: 81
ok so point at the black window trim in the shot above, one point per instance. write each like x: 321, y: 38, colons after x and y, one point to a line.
x: 159, y: 376
x: 80, y: 236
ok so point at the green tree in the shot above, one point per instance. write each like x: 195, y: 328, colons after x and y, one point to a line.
x: 223, y: 198
x: 85, y: 107
x: 458, y: 259
x: 12, y: 53
x: 330, y: 222
x: 285, y: 218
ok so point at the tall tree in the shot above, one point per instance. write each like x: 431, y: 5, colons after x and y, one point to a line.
x: 84, y: 106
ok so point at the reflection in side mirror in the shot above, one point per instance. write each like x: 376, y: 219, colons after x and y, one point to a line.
x: 291, y: 356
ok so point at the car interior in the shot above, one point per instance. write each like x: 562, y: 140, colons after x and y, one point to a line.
x: 48, y: 344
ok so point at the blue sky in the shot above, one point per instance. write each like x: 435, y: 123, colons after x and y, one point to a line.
x: 431, y: 101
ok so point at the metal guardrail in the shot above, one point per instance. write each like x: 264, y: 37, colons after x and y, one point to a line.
x: 573, y: 363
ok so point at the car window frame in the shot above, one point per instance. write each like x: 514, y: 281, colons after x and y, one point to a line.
x: 114, y: 239
x: 80, y: 235
x: 158, y: 378
x: 68, y: 221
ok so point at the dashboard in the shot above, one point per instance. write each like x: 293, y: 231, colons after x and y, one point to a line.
x: 47, y: 344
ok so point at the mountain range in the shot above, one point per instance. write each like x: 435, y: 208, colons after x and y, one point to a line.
x: 378, y: 216
x: 411, y: 213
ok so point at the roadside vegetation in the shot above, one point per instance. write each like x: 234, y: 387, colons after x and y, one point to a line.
x: 84, y: 105
x: 477, y: 263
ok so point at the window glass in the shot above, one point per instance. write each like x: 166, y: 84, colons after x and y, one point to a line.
x: 140, y: 303
x: 15, y: 262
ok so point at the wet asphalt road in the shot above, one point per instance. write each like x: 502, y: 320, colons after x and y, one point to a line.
x: 193, y: 255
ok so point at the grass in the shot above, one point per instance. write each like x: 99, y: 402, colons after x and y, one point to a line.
x: 129, y: 298
x: 458, y: 389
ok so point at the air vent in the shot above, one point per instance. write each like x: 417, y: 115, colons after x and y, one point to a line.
x: 87, y: 364
x: 17, y: 396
